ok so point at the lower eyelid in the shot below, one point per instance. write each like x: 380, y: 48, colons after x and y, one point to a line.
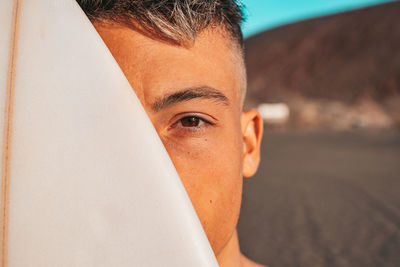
x: 192, y: 129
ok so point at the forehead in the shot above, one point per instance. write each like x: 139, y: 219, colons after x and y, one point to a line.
x: 155, y: 68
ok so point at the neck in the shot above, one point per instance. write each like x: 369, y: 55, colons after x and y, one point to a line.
x: 230, y: 254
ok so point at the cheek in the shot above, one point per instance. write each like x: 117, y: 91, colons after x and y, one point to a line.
x: 210, y: 168
x: 210, y: 163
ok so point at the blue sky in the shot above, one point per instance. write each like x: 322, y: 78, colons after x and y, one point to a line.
x: 265, y: 14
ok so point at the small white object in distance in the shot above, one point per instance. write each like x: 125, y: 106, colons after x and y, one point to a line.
x: 274, y: 112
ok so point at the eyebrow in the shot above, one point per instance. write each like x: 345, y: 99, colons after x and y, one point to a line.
x: 187, y: 94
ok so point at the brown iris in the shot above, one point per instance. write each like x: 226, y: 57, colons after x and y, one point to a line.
x: 190, y: 122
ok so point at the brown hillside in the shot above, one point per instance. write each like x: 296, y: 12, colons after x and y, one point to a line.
x: 339, y: 57
x: 344, y: 57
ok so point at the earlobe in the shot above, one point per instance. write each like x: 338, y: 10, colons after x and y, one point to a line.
x: 252, y: 130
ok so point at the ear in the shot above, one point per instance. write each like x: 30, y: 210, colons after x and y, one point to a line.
x: 252, y: 130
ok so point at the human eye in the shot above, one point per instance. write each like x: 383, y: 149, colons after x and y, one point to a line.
x: 192, y: 122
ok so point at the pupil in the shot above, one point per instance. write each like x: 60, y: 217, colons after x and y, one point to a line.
x: 190, y: 122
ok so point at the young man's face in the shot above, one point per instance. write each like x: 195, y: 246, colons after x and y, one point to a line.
x: 192, y: 96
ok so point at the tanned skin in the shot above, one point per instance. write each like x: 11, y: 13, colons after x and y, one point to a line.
x: 192, y: 94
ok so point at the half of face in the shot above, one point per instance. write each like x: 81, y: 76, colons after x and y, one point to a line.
x: 192, y: 96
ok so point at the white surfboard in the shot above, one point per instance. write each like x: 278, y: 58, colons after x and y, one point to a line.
x: 85, y: 179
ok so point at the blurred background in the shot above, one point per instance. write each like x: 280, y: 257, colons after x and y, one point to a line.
x: 325, y: 76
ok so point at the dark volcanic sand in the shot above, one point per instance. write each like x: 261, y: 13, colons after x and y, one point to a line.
x: 324, y: 199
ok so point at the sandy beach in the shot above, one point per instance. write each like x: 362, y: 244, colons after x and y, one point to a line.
x: 324, y: 199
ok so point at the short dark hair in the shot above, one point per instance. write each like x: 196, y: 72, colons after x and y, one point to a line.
x: 176, y: 21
